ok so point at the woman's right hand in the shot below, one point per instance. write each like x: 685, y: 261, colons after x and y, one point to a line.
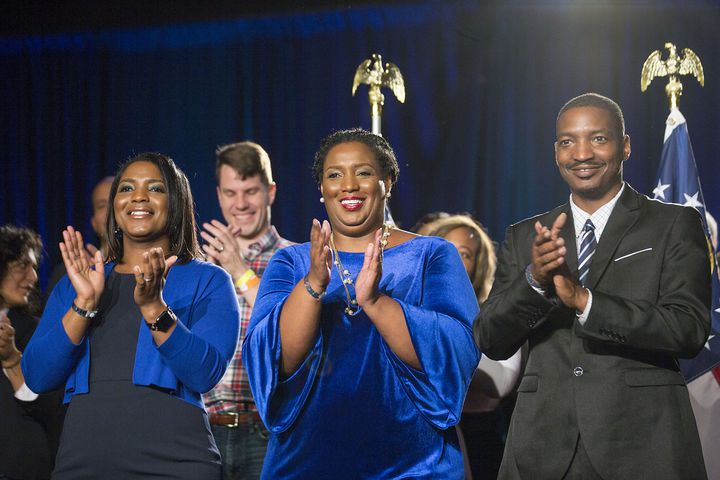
x: 320, y: 256
x: 88, y: 282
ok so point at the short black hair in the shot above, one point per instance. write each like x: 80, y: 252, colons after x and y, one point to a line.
x: 15, y: 243
x: 598, y: 101
x: 180, y: 227
x: 378, y: 145
x: 247, y: 159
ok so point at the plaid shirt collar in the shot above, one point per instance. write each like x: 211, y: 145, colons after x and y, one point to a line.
x: 266, y: 242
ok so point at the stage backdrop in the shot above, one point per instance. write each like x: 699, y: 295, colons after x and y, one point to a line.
x: 484, y: 82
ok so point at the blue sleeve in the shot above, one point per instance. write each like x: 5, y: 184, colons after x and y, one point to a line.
x: 50, y: 356
x: 278, y: 400
x: 441, y: 332
x: 198, y: 352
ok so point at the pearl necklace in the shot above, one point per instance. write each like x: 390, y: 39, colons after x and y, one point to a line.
x: 352, y: 307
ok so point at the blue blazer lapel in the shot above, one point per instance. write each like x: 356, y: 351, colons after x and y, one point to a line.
x: 623, y: 217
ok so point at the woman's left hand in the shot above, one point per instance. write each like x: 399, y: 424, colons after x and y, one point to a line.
x: 9, y: 354
x: 150, y: 278
x: 366, y: 284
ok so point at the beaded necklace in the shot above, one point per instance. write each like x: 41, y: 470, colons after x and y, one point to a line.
x: 352, y: 307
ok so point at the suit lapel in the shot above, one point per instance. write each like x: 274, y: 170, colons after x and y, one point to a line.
x: 568, y: 234
x: 622, y: 218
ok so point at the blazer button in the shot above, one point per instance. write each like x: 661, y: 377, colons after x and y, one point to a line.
x: 578, y: 371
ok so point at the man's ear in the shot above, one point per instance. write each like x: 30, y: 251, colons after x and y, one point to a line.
x: 627, y: 149
x: 272, y: 191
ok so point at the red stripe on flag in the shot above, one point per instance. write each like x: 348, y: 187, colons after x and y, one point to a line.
x: 716, y: 374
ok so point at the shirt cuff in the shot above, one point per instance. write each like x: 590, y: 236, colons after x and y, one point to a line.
x: 582, y: 317
x: 531, y: 281
x: 24, y: 394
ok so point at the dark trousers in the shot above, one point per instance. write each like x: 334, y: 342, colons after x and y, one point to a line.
x: 485, y: 442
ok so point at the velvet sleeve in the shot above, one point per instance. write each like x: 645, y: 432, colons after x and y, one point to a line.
x: 199, y: 350
x: 50, y: 356
x: 278, y: 400
x: 441, y: 331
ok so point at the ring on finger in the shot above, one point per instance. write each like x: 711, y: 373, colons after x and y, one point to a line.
x: 222, y: 247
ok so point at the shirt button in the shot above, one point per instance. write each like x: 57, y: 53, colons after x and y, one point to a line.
x: 578, y: 371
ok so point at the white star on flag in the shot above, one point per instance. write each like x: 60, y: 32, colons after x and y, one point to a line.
x: 707, y: 344
x: 659, y: 191
x: 692, y: 201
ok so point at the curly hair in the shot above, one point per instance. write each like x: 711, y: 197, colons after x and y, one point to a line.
x: 16, y: 243
x: 485, y: 261
x: 181, y: 226
x: 378, y: 145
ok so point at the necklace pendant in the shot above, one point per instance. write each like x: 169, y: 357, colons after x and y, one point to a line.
x: 353, y: 302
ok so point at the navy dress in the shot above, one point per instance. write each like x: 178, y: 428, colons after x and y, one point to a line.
x: 353, y: 409
x: 123, y: 431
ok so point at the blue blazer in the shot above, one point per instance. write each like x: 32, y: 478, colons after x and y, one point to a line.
x: 190, y: 362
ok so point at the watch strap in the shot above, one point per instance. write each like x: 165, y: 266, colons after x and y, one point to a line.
x: 163, y: 322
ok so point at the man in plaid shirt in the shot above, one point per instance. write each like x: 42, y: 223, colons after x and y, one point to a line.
x: 243, y: 248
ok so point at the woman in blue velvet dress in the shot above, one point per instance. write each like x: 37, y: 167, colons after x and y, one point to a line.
x: 136, y: 340
x: 360, y: 348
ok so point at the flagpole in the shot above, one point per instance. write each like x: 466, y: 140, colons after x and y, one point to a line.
x: 372, y: 73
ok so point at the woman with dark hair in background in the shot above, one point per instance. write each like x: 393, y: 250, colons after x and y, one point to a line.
x: 136, y: 341
x: 483, y: 424
x: 358, y: 358
x: 30, y: 423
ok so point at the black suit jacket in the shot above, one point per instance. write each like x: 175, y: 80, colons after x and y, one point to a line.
x: 615, y: 380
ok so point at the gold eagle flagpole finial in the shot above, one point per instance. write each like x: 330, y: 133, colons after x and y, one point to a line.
x: 372, y: 73
x: 672, y: 68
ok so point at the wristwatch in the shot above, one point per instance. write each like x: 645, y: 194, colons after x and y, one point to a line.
x: 163, y: 322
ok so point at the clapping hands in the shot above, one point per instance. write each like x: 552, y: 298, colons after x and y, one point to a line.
x: 9, y: 354
x: 86, y: 274
x: 366, y: 284
x: 222, y: 248
x: 320, y: 256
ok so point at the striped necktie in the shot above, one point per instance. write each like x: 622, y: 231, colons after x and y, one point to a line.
x: 587, y: 250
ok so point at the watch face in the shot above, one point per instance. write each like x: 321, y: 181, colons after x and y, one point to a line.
x: 164, y: 321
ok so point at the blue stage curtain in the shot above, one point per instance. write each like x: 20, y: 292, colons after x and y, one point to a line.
x: 484, y: 82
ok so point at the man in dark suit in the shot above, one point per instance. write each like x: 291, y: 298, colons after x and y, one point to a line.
x: 608, y: 290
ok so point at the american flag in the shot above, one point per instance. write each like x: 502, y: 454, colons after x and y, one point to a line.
x: 678, y: 182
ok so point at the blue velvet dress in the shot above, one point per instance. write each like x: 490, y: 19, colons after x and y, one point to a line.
x: 353, y: 409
